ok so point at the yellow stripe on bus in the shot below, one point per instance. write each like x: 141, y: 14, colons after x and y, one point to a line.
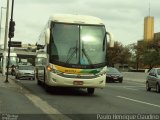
x: 67, y: 70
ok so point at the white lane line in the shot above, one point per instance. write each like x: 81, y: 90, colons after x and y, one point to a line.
x: 45, y: 107
x: 141, y: 83
x: 129, y: 88
x: 138, y: 101
x: 135, y: 88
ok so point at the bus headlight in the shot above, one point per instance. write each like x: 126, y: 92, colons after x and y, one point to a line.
x: 50, y: 69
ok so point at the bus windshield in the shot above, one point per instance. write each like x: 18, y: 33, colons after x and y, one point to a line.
x: 76, y: 44
x: 41, y: 61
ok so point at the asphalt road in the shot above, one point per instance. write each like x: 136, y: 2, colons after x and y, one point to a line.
x: 116, y: 98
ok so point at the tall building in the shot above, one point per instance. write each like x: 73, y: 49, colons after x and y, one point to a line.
x: 148, y: 28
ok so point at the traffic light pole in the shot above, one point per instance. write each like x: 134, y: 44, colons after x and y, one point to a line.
x: 11, y: 29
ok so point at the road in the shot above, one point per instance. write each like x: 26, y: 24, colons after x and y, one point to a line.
x: 129, y: 97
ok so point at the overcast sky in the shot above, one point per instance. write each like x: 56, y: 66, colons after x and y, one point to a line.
x: 123, y: 18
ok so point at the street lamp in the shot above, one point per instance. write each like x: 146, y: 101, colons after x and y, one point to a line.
x: 1, y: 20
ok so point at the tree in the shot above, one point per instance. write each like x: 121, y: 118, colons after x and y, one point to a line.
x: 118, y: 54
x: 151, y: 54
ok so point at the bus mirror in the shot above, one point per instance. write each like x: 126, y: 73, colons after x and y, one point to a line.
x: 47, y: 35
x: 111, y: 41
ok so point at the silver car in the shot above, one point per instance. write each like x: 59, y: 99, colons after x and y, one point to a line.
x: 25, y: 71
x: 153, y: 79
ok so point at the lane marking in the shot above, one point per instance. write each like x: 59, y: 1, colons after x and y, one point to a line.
x: 134, y: 82
x: 135, y: 88
x: 124, y: 86
x: 138, y: 101
x: 45, y: 107
x: 129, y: 88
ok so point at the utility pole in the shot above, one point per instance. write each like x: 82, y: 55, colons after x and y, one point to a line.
x: 5, y: 40
x: 10, y: 35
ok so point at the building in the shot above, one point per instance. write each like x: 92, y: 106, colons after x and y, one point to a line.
x: 148, y: 28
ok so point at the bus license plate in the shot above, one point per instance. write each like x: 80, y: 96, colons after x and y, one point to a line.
x: 77, y: 82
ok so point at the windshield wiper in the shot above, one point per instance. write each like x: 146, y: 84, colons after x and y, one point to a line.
x: 85, y: 53
x: 75, y: 49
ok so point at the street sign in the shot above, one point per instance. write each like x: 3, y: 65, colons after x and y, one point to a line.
x: 14, y: 44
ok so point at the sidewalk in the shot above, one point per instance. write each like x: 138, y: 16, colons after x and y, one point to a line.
x: 18, y: 101
x: 10, y: 82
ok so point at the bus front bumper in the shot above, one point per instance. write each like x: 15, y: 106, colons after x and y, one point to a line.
x: 57, y: 80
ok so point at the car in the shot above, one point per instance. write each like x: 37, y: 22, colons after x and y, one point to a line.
x: 113, y: 75
x: 24, y: 71
x: 153, y: 80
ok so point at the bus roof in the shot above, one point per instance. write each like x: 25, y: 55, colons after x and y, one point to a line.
x: 80, y: 19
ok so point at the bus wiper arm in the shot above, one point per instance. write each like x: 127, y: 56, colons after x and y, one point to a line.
x: 72, y: 54
x: 84, y: 52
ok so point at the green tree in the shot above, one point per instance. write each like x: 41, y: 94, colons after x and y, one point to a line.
x: 118, y: 54
x: 151, y: 54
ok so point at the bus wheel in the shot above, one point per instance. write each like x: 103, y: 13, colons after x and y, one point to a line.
x: 38, y: 82
x: 90, y: 91
x: 47, y: 88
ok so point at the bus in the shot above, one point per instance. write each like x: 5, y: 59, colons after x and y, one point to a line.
x: 41, y: 58
x: 76, y: 55
x: 40, y: 63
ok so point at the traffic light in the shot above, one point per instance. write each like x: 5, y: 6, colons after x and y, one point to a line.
x: 11, y: 29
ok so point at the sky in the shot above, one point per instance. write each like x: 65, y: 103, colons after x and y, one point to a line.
x: 123, y: 18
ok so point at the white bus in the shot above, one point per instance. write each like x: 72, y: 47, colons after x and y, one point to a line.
x: 75, y: 46
x: 40, y: 63
x: 41, y: 58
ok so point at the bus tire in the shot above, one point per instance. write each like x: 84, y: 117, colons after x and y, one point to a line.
x: 47, y: 88
x: 38, y: 82
x: 90, y: 91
